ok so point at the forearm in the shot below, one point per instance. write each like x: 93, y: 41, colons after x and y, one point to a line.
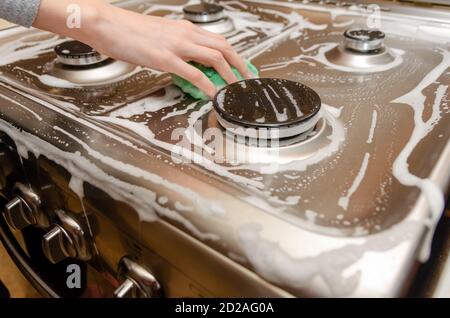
x: 78, y: 19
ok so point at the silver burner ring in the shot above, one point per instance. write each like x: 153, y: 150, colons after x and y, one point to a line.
x: 270, y: 133
x: 203, y: 13
x: 95, y: 75
x: 81, y: 61
x: 223, y: 26
x: 363, y: 40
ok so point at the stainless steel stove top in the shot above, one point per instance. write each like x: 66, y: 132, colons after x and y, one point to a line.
x: 344, y: 210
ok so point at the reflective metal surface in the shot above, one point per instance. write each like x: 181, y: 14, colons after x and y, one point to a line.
x: 340, y: 212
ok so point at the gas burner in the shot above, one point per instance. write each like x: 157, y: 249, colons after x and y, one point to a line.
x: 364, y: 40
x: 211, y: 17
x: 267, y: 108
x: 80, y: 64
x: 362, y: 49
x: 75, y: 53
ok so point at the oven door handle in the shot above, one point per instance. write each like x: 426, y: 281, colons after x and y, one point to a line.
x: 23, y: 262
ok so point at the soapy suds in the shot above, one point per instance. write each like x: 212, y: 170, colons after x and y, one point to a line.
x: 343, y: 24
x: 416, y: 100
x: 373, y: 125
x: 344, y: 201
x: 26, y: 48
x: 83, y: 170
x: 49, y: 80
x: 275, y: 264
x: 76, y: 185
x: 77, y: 173
x: 140, y: 173
x: 280, y: 116
x: 331, y: 114
x: 38, y: 117
x: 74, y: 116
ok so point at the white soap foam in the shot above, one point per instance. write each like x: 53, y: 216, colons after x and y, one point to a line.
x: 344, y: 201
x: 373, y: 125
x: 416, y: 100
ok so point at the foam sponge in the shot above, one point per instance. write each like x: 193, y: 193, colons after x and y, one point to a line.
x: 213, y: 76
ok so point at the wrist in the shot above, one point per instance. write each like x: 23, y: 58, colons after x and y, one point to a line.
x: 94, y: 15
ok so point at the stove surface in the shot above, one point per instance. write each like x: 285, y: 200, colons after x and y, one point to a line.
x: 369, y: 177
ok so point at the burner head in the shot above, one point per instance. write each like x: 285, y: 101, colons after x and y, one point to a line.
x: 364, y: 40
x: 75, y: 53
x: 203, y: 13
x: 285, y: 107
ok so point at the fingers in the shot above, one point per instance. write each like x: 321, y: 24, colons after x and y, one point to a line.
x: 220, y: 43
x: 193, y: 75
x: 212, y: 58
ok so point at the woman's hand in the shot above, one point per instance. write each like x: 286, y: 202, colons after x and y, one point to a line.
x: 149, y: 41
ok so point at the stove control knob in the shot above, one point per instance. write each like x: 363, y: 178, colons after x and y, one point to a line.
x: 18, y: 214
x: 57, y: 245
x: 364, y: 40
x: 66, y: 239
x: 25, y: 209
x: 138, y: 281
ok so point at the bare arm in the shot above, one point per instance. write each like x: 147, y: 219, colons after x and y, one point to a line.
x: 153, y: 42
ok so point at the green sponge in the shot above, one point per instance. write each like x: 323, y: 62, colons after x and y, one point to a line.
x: 213, y: 76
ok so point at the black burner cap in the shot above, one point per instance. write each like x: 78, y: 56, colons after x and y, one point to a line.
x: 75, y: 53
x: 266, y: 103
x: 203, y: 8
x: 364, y: 34
x: 73, y: 49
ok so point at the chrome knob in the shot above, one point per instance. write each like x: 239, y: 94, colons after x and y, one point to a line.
x: 18, y: 214
x: 66, y: 239
x: 57, y: 245
x: 363, y: 40
x: 25, y: 209
x: 126, y: 290
x: 139, y: 282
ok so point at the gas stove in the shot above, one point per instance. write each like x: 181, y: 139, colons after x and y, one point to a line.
x: 324, y: 177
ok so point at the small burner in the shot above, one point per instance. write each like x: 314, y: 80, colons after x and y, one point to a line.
x: 210, y: 17
x: 362, y: 51
x: 82, y: 65
x: 273, y: 108
x: 203, y: 13
x: 364, y: 40
x: 75, y: 53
